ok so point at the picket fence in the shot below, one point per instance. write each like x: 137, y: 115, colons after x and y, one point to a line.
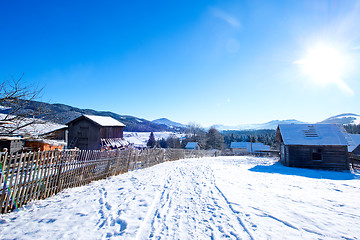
x: 37, y: 175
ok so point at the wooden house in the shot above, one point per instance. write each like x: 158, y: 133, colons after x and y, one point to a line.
x: 248, y: 147
x: 192, y: 146
x: 90, y: 132
x: 313, y: 146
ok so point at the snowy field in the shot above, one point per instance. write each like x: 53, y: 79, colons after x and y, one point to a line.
x: 140, y: 139
x: 209, y: 198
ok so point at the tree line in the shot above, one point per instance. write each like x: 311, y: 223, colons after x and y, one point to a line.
x: 210, y: 139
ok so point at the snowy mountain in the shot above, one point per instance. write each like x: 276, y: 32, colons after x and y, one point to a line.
x: 268, y: 125
x: 169, y: 123
x: 346, y: 118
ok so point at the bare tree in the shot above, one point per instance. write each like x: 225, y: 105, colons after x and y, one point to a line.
x: 15, y: 98
x: 195, y: 130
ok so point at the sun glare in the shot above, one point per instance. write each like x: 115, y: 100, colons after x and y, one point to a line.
x: 325, y: 65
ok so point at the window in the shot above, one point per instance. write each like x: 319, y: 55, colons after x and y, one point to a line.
x: 317, y: 154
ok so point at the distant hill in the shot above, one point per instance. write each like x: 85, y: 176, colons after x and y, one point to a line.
x: 346, y: 118
x: 268, y: 125
x: 62, y: 114
x: 169, y: 123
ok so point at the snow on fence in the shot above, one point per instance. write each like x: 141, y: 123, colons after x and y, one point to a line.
x: 38, y: 175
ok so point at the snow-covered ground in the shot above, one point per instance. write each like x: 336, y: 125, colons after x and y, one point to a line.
x: 209, y: 198
x: 140, y: 139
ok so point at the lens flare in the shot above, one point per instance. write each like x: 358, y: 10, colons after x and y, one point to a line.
x: 325, y: 65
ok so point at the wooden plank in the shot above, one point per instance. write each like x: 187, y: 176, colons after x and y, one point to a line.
x: 54, y: 175
x: 30, y: 169
x: 45, y: 176
x: 17, y: 183
x: 87, y: 167
x: 81, y: 165
x: 35, y: 172
x: 24, y: 181
x: 67, y: 168
x: 9, y: 196
x: 21, y: 183
x: 40, y: 181
x: 5, y: 166
x: 50, y: 173
x: 61, y: 167
x: 83, y: 168
x: 69, y: 164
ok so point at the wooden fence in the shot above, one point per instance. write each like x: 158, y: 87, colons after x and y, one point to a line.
x: 354, y: 161
x: 38, y: 175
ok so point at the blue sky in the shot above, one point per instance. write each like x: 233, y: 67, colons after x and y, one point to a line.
x: 210, y: 62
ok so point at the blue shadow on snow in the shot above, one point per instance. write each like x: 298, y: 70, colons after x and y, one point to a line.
x: 304, y: 172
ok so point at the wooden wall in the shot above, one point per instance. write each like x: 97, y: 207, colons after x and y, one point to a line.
x: 111, y: 132
x: 86, y: 133
x: 332, y: 157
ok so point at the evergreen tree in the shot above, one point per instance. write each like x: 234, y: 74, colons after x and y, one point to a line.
x: 163, y: 143
x: 151, y: 142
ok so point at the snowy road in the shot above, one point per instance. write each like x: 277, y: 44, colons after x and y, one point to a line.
x: 210, y: 198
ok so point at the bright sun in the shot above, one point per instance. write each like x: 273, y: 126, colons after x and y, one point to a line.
x: 324, y: 65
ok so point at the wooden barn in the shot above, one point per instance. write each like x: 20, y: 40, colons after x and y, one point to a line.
x: 89, y: 132
x: 313, y: 146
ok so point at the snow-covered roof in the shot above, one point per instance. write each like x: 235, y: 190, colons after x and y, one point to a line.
x: 191, y: 145
x: 103, y: 121
x: 114, y: 142
x: 250, y: 147
x: 40, y: 127
x: 313, y: 134
x: 238, y: 145
x: 355, y: 142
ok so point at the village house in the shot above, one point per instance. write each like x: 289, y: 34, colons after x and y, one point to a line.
x: 89, y: 132
x: 313, y: 146
x: 248, y: 147
x: 192, y: 146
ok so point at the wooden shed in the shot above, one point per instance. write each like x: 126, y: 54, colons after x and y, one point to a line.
x: 89, y: 132
x: 313, y: 146
x: 11, y: 144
